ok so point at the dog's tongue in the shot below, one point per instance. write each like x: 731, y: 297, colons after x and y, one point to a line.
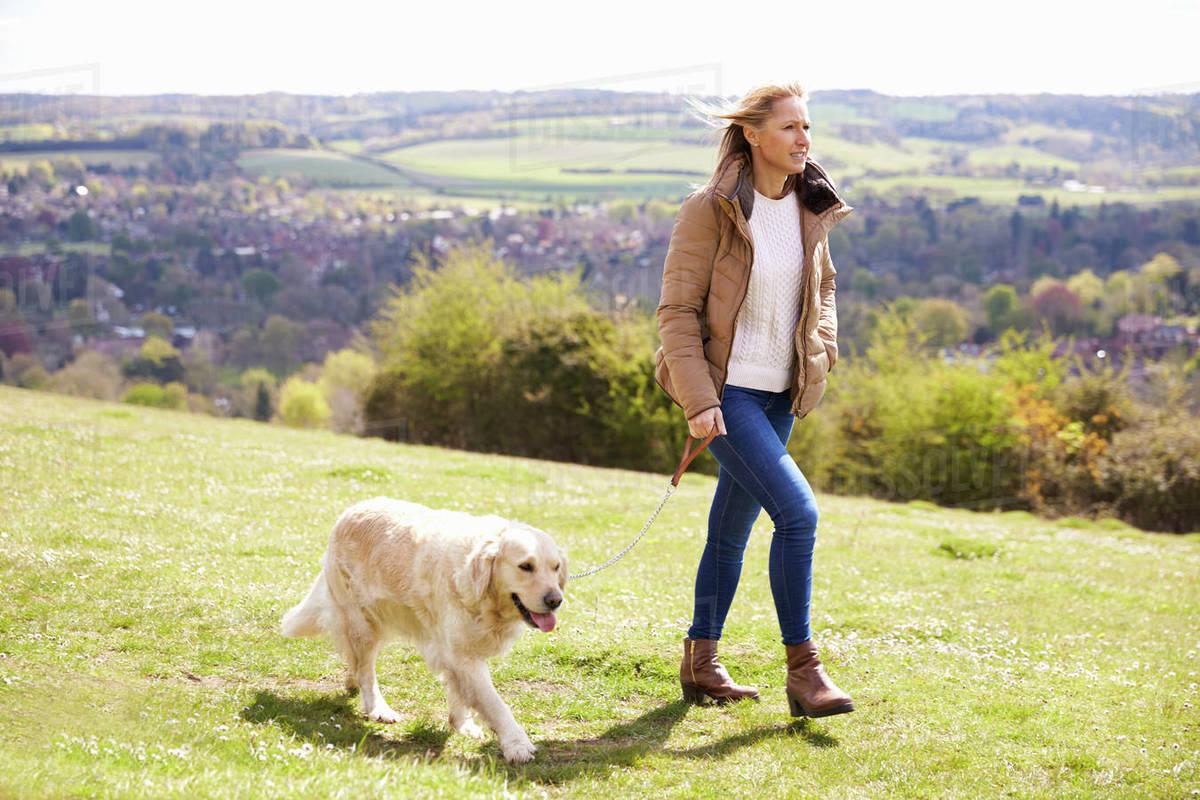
x: 545, y: 622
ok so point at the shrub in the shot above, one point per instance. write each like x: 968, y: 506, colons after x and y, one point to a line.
x: 1025, y: 362
x: 581, y: 389
x: 301, y: 404
x: 156, y: 360
x: 1060, y: 459
x: 151, y: 394
x: 441, y: 338
x: 1152, y: 474
x: 1099, y: 399
x: 345, y: 379
x: 91, y: 374
x: 911, y: 427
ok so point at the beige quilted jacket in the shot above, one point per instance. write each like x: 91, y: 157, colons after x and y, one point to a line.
x: 707, y: 272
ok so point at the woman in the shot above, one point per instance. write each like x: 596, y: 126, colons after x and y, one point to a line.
x: 748, y: 326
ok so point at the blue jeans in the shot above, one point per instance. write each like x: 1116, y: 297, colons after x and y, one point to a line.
x: 756, y: 473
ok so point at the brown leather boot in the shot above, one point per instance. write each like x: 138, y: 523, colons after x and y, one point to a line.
x: 810, y: 692
x: 701, y: 675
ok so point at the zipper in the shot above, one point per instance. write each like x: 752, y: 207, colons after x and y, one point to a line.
x: 741, y: 300
x: 804, y: 330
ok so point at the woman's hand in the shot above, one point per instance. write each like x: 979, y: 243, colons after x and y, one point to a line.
x: 701, y: 425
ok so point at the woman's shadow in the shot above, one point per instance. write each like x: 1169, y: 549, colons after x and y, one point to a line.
x: 335, y: 722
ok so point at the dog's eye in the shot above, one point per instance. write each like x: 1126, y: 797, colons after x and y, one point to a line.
x: 527, y: 567
x: 556, y: 566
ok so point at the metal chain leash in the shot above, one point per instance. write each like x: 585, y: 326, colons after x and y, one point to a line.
x: 688, y: 456
x: 628, y: 547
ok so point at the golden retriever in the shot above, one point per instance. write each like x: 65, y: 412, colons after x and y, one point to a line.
x: 460, y: 588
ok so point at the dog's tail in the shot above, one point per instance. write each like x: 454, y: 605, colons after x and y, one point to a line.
x: 305, y: 618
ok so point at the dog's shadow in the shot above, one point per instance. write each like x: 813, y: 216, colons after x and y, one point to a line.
x: 335, y: 720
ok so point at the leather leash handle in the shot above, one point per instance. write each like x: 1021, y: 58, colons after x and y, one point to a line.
x: 689, y: 455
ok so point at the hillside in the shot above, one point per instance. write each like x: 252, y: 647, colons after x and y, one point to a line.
x: 147, y: 556
x: 591, y: 145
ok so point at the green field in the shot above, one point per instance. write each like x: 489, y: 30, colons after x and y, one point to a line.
x: 147, y: 556
x: 549, y: 163
x: 24, y: 133
x: 323, y: 166
x: 37, y: 248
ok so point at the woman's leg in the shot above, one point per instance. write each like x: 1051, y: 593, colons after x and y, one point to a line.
x: 754, y: 453
x: 791, y: 558
x: 730, y: 519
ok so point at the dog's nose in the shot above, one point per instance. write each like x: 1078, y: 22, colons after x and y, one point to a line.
x: 553, y: 599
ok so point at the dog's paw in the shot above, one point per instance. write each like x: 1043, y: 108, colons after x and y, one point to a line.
x: 468, y: 728
x: 518, y: 751
x: 383, y: 714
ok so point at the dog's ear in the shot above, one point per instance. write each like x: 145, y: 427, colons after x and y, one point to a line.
x: 474, y: 578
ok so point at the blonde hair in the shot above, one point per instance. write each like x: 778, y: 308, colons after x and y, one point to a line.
x: 752, y: 110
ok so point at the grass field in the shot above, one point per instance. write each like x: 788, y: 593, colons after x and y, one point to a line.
x: 146, y: 557
x: 37, y: 248
x: 324, y: 166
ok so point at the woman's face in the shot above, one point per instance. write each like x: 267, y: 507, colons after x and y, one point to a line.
x: 784, y: 139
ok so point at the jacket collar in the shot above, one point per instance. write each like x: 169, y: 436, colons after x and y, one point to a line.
x: 814, y: 190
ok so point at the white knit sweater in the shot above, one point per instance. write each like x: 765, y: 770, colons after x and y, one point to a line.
x: 763, y: 349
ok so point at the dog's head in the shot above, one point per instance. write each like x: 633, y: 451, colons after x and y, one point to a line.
x: 523, y: 571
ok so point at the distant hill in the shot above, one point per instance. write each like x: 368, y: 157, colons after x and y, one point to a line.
x: 595, y: 143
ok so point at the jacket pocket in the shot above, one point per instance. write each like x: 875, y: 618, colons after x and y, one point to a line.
x: 817, y: 366
x: 811, y: 399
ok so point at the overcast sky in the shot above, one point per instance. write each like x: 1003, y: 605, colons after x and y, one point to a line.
x: 901, y: 48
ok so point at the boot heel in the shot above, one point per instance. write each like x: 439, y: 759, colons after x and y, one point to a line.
x: 693, y: 693
x: 796, y: 708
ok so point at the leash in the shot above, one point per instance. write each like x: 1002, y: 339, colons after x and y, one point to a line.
x: 688, y: 456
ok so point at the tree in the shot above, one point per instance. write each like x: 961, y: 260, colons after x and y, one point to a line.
x: 1152, y: 284
x: 1000, y: 305
x: 156, y: 324
x: 1088, y: 287
x: 81, y: 319
x: 80, y: 227
x: 944, y: 322
x: 279, y: 344
x: 257, y: 397
x: 1060, y: 307
x: 260, y: 284
x: 262, y: 403
x: 157, y: 360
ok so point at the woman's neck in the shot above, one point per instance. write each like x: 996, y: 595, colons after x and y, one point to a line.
x: 769, y: 181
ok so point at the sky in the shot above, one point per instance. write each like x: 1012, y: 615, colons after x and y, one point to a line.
x: 919, y: 47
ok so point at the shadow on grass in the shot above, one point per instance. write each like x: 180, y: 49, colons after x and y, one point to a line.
x: 624, y: 744
x: 336, y: 720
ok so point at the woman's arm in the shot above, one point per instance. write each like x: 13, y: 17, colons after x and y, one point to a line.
x: 687, y: 272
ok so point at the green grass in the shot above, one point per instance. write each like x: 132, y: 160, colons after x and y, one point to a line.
x: 540, y: 163
x: 37, y: 248
x: 324, y: 166
x: 146, y: 557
